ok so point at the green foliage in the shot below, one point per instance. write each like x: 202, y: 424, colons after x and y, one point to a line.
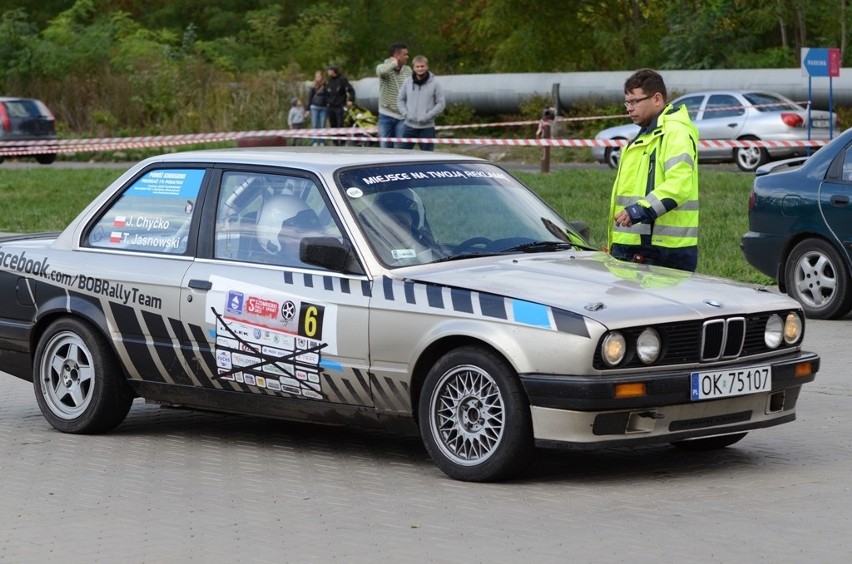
x: 118, y: 67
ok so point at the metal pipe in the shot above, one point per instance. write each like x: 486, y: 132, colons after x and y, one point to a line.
x: 504, y: 93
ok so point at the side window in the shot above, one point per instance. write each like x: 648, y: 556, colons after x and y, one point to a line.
x: 693, y: 105
x: 847, y: 165
x: 152, y: 215
x: 263, y: 218
x: 723, y: 106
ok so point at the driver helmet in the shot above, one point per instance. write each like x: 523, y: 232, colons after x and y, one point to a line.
x: 404, y: 202
x: 278, y: 212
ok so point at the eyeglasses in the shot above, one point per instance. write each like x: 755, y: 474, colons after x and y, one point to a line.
x: 631, y: 103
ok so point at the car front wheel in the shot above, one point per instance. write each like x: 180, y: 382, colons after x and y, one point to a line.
x: 474, y: 417
x: 817, y: 278
x: 78, y: 384
x: 750, y: 158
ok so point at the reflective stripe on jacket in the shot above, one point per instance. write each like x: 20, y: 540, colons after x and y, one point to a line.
x: 659, y: 172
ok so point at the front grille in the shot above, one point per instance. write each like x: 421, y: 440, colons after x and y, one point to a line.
x: 691, y: 342
x: 722, y: 338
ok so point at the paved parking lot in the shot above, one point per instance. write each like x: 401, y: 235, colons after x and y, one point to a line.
x: 178, y: 486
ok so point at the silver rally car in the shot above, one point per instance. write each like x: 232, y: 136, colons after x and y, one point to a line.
x: 410, y: 290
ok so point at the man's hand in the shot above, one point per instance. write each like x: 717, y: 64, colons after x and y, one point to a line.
x: 622, y: 219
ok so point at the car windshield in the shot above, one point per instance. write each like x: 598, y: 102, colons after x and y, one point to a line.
x: 765, y: 102
x: 427, y: 212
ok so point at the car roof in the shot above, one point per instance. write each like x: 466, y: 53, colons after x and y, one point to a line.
x: 735, y: 92
x: 321, y: 159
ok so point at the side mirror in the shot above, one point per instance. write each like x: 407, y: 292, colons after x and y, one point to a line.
x: 330, y: 253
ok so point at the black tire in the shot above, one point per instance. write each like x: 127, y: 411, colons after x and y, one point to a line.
x: 474, y: 417
x: 45, y: 159
x: 816, y: 276
x: 709, y: 443
x: 748, y: 159
x: 612, y: 155
x: 78, y: 384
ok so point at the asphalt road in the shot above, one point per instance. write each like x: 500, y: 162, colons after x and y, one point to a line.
x: 180, y: 486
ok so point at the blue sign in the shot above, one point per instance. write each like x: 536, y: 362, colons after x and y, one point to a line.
x: 820, y: 62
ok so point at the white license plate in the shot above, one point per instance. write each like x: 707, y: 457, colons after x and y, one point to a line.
x: 820, y: 123
x: 727, y: 383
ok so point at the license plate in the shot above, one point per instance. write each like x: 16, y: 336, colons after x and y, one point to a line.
x: 727, y: 383
x: 820, y: 123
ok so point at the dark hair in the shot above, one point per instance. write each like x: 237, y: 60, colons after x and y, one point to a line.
x: 648, y: 80
x: 396, y: 48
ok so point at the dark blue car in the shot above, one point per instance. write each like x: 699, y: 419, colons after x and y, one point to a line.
x: 800, y: 228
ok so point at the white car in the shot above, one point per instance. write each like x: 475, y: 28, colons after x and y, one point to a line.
x: 416, y: 290
x: 734, y: 116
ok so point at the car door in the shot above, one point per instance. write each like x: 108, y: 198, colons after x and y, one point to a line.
x: 259, y: 320
x: 133, y: 257
x: 722, y: 119
x: 835, y: 199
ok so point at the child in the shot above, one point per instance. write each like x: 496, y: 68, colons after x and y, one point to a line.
x: 296, y: 118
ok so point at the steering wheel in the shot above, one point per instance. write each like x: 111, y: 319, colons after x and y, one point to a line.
x: 469, y: 244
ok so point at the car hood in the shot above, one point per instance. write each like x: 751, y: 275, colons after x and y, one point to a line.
x: 602, y: 288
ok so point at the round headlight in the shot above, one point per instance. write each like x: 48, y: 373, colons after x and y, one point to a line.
x: 648, y: 346
x: 792, y: 328
x: 772, y: 333
x: 613, y: 348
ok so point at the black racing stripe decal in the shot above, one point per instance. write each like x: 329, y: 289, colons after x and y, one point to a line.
x: 383, y: 397
x: 344, y: 286
x: 288, y: 278
x: 164, y: 348
x: 570, y: 322
x: 334, y: 395
x: 366, y: 288
x: 402, y: 398
x: 461, y: 300
x: 308, y: 280
x: 328, y: 283
x: 435, y: 296
x: 138, y: 352
x: 409, y: 292
x: 354, y: 393
x: 493, y: 306
x: 387, y: 286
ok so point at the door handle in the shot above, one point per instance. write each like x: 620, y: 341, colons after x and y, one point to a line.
x: 839, y: 201
x: 200, y: 284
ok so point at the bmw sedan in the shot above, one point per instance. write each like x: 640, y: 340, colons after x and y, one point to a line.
x: 738, y: 116
x: 800, y: 228
x: 418, y: 291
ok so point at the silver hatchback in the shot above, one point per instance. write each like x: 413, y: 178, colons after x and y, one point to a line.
x: 739, y: 116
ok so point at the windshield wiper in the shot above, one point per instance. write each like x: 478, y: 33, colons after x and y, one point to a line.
x: 540, y: 247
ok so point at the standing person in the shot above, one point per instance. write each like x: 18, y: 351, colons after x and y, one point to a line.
x: 420, y: 100
x: 654, y: 204
x: 296, y: 118
x: 392, y: 73
x: 318, y: 104
x: 340, y: 95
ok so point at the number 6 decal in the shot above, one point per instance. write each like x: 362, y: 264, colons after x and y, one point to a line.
x: 310, y: 321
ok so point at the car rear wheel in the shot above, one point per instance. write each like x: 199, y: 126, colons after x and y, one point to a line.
x: 709, y: 443
x: 612, y: 155
x: 78, y: 383
x: 750, y: 158
x: 817, y: 278
x: 474, y: 417
x: 45, y: 159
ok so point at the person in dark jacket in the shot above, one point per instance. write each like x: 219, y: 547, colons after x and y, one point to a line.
x: 340, y: 95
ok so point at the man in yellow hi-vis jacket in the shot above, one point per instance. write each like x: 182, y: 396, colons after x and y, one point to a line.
x: 654, y: 205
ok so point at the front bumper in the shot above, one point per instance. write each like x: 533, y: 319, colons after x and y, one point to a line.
x: 583, y: 412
